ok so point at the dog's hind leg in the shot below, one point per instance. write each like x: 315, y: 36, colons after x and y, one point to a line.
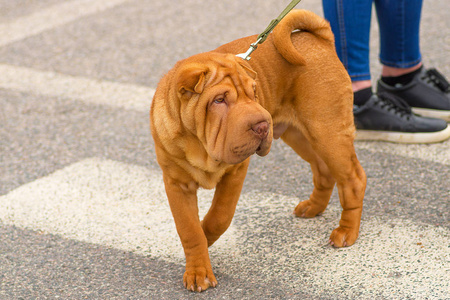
x: 332, y: 155
x: 322, y: 178
x: 223, y: 206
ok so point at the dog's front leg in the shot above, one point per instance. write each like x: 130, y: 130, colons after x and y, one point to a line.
x: 226, y: 196
x: 183, y: 204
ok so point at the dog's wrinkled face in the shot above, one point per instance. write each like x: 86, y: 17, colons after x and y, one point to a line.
x: 218, y: 106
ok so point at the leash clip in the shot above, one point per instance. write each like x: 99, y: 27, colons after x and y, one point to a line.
x: 246, y: 55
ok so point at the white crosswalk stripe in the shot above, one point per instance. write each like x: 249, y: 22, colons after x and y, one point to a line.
x: 124, y: 206
x: 99, y: 201
x: 51, y: 17
x: 88, y: 90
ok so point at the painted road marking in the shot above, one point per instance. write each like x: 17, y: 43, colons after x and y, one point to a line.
x: 51, y: 17
x: 124, y: 206
x: 91, y: 91
x: 99, y: 201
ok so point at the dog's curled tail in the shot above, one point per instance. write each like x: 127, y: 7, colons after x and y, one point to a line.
x: 302, y: 20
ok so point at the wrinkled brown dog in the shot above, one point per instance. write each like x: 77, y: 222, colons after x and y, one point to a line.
x: 212, y: 111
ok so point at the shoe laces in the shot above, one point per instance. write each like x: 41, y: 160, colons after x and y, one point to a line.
x: 394, y: 104
x: 437, y: 79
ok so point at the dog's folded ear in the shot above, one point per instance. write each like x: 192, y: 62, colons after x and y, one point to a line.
x: 191, y: 80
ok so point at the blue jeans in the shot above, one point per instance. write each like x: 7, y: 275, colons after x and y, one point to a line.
x: 398, y: 20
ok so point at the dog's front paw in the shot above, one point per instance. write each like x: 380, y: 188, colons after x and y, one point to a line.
x: 199, y: 279
x: 307, y: 209
x: 343, y: 237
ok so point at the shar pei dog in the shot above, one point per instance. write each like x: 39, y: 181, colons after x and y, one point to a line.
x: 213, y: 110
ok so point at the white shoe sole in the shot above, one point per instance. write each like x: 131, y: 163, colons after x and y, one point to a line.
x: 432, y: 113
x: 403, y: 137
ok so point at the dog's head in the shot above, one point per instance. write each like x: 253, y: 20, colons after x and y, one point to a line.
x: 217, y: 94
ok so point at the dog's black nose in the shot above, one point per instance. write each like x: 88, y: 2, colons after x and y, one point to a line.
x: 261, y: 129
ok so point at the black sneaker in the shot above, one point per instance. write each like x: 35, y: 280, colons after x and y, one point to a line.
x: 428, y: 94
x: 388, y: 118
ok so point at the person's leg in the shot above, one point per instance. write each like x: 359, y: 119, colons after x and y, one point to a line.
x: 427, y: 91
x: 399, y: 23
x: 350, y: 22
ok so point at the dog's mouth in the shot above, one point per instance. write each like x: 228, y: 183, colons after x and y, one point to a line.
x: 241, y: 152
x: 264, y: 147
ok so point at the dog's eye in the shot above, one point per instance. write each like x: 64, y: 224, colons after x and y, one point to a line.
x: 219, y: 100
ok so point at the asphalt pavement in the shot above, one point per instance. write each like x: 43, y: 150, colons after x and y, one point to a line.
x: 83, y: 212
